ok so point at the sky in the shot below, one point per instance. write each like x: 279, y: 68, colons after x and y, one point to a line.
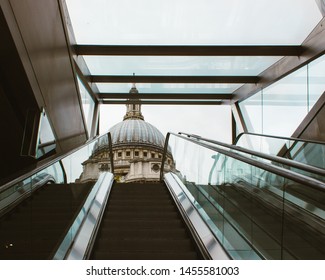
x: 205, y: 120
x: 183, y: 22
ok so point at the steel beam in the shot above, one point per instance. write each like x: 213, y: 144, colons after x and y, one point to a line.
x: 165, y: 102
x: 314, y: 46
x: 145, y: 50
x: 173, y: 79
x: 169, y: 96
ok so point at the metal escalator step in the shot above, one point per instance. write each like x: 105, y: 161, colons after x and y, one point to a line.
x: 131, y: 244
x: 173, y: 233
x: 141, y: 207
x: 141, y: 224
x: 139, y: 189
x: 141, y: 221
x: 145, y: 255
x: 143, y: 215
x: 134, y: 203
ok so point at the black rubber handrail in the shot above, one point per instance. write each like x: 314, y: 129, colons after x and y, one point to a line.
x: 273, y: 158
x: 288, y: 174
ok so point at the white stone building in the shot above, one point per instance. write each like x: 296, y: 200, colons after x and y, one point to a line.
x: 137, y: 146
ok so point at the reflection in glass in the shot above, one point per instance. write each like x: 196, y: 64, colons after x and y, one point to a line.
x: 46, y: 141
x: 38, y: 211
x: 193, y: 22
x: 88, y: 105
x: 179, y: 65
x: 253, y: 212
x: 168, y: 88
x: 316, y: 80
x: 252, y: 111
x: 285, y: 103
x: 302, y: 151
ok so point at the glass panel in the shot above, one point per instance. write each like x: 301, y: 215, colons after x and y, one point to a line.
x: 285, y: 103
x: 195, y: 22
x: 289, y: 99
x: 308, y: 153
x: 178, y: 65
x: 38, y: 212
x: 293, y: 150
x: 316, y: 80
x: 168, y: 88
x: 88, y: 105
x: 46, y: 137
x: 252, y: 109
x: 255, y: 213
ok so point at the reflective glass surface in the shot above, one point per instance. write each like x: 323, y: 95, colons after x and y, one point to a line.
x: 316, y: 80
x: 88, y: 105
x: 46, y: 137
x: 37, y: 212
x: 193, y: 22
x: 279, y: 108
x: 305, y: 152
x: 252, y: 111
x: 168, y: 88
x: 285, y: 103
x: 255, y: 213
x: 179, y: 65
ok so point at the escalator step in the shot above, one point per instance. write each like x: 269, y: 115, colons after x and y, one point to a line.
x: 131, y: 244
x: 141, y: 221
x: 141, y: 224
x: 147, y: 255
x: 171, y: 233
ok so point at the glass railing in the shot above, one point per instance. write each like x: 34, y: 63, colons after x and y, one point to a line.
x: 37, y: 211
x: 258, y: 210
x: 301, y: 150
x: 290, y: 164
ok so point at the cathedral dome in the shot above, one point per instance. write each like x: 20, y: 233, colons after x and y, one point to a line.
x: 137, y: 149
x: 133, y: 130
x: 138, y: 132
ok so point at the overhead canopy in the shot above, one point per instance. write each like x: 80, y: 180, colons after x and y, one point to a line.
x: 207, y: 49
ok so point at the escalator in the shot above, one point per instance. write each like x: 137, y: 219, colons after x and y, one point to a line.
x: 264, y: 224
x: 219, y: 202
x: 141, y: 221
x: 34, y: 228
x: 259, y: 206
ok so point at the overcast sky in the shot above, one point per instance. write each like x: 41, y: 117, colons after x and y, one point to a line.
x: 208, y: 121
x: 183, y: 22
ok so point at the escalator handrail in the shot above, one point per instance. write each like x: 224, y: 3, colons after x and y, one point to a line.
x: 273, y: 158
x: 201, y: 237
x: 288, y: 174
x: 277, y: 137
x: 77, y: 242
x: 57, y: 159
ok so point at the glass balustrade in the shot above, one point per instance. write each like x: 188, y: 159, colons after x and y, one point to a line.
x: 37, y: 212
x: 309, y: 153
x: 256, y: 212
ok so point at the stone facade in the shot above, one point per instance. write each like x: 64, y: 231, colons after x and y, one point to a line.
x: 137, y: 148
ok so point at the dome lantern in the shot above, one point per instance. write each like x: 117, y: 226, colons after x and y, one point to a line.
x: 133, y: 108
x: 137, y: 148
